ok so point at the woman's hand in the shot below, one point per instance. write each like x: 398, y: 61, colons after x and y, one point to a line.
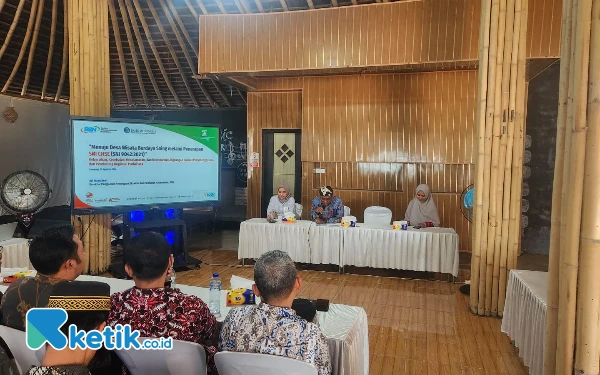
x: 274, y: 215
x: 269, y: 218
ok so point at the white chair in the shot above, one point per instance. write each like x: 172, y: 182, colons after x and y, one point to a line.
x: 299, y: 210
x: 186, y: 358
x: 24, y: 356
x: 378, y: 215
x: 346, y: 211
x: 234, y: 363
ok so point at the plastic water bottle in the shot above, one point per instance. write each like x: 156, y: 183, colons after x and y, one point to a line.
x: 172, y: 278
x: 215, y: 295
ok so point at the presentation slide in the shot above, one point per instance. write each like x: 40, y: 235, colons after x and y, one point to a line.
x: 132, y: 164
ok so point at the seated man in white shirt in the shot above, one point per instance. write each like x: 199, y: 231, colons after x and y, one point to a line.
x: 273, y: 327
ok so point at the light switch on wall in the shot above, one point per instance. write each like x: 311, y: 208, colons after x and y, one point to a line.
x: 319, y: 170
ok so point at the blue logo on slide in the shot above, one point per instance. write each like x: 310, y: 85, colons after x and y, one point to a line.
x: 90, y: 129
x: 127, y: 130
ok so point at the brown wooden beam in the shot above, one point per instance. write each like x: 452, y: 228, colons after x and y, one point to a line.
x: 221, y: 7
x: 183, y: 28
x: 136, y: 65
x: 50, y: 48
x: 12, y: 28
x: 184, y: 49
x: 259, y: 6
x: 140, y: 41
x: 222, y: 93
x: 202, y: 8
x: 36, y: 33
x: 65, y: 55
x: 17, y: 65
x: 117, y: 34
x: 169, y: 47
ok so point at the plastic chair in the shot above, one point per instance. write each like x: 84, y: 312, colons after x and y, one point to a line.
x: 186, y: 358
x: 346, y: 211
x: 24, y: 356
x: 234, y: 363
x: 378, y: 215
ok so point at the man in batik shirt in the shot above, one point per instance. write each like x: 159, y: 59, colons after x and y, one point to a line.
x: 326, y: 208
x: 273, y: 327
x: 58, y: 256
x: 157, y: 311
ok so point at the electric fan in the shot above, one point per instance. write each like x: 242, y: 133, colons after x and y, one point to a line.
x: 467, y: 199
x: 24, y: 194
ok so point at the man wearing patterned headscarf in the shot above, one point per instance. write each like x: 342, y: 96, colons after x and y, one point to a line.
x: 326, y: 208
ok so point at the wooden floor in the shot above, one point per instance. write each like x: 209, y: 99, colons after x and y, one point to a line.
x: 415, y: 327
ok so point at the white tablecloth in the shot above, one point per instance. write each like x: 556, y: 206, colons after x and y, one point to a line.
x: 524, y: 319
x: 427, y: 249
x: 345, y: 327
x: 15, y: 253
x: 304, y: 241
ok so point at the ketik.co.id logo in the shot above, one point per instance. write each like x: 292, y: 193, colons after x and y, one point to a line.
x: 43, y: 326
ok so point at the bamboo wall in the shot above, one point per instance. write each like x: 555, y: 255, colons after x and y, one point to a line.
x: 89, y: 77
x: 500, y: 129
x: 572, y: 322
x: 371, y: 35
x: 544, y: 17
x: 376, y: 136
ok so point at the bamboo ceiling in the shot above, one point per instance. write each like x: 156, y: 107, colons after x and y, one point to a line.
x: 153, y: 54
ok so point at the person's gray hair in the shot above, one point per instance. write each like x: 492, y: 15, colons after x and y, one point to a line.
x: 275, y: 275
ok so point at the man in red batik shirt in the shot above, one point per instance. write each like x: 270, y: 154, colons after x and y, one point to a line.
x: 157, y: 311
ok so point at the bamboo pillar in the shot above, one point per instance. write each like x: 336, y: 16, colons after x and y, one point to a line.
x: 499, y: 165
x: 588, y: 294
x: 89, y: 78
x: 573, y: 316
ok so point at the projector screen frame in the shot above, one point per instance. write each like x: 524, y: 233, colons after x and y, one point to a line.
x: 140, y: 207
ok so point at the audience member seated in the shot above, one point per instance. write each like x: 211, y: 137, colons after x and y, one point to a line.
x: 281, y: 203
x: 57, y: 255
x: 273, y: 327
x: 326, y: 208
x: 422, y: 209
x: 157, y: 311
x: 87, y: 304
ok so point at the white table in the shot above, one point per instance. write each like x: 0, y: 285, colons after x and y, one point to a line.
x: 303, y: 240
x: 377, y: 246
x: 427, y: 249
x: 15, y: 253
x: 524, y: 319
x: 345, y: 327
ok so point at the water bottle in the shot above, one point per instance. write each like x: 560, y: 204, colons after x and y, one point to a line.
x: 214, y: 303
x: 172, y: 278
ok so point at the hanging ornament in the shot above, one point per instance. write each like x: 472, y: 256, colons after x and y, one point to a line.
x: 10, y: 115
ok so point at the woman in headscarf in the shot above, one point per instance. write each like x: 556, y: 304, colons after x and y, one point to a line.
x: 422, y: 209
x: 281, y: 203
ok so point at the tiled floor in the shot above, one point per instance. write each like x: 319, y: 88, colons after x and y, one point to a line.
x: 415, y: 326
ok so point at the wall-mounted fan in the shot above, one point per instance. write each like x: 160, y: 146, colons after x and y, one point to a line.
x: 24, y: 194
x: 467, y: 200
